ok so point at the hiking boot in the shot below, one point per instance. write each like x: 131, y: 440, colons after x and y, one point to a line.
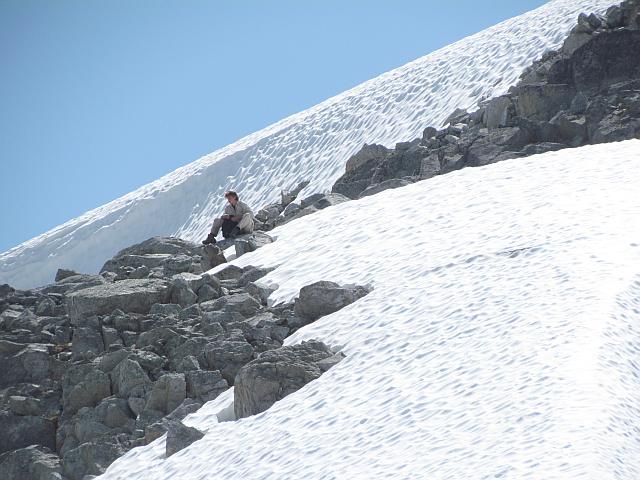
x: 210, y: 240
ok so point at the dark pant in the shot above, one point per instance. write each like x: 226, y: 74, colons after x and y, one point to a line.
x: 227, y: 227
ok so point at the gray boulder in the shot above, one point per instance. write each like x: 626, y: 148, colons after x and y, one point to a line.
x: 212, y: 257
x: 127, y: 295
x: 84, y: 386
x: 35, y: 462
x: 241, y: 303
x: 322, y: 298
x: 366, y: 154
x: 168, y: 393
x: 276, y: 374
x: 205, y: 385
x: 19, y: 431
x: 227, y: 356
x: 127, y: 376
x: 179, y: 436
x: 91, y: 458
x: 251, y: 242
x: 32, y: 363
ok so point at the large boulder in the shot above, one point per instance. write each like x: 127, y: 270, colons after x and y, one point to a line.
x: 322, y: 298
x: 30, y: 463
x: 31, y: 363
x: 84, y: 385
x: 276, y: 374
x: 228, y: 356
x: 19, y: 431
x: 91, y: 458
x: 136, y: 296
x: 180, y: 436
x: 241, y: 303
x: 606, y: 59
x: 168, y: 393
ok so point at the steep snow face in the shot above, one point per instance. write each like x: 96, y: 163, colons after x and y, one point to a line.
x: 501, y: 338
x: 313, y: 144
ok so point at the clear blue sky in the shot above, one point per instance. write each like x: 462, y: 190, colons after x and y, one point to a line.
x: 100, y: 97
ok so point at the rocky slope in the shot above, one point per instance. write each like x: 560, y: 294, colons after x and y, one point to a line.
x: 94, y: 365
x: 586, y: 92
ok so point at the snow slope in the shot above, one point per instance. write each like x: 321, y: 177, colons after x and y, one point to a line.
x: 501, y: 340
x: 313, y: 144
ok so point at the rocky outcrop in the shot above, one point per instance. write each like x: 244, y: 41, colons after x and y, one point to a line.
x: 278, y: 373
x: 586, y: 92
x: 94, y: 365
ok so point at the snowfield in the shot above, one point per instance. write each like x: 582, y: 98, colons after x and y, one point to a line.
x: 313, y: 144
x: 501, y: 340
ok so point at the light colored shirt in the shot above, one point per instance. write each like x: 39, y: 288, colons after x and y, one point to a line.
x: 239, y: 210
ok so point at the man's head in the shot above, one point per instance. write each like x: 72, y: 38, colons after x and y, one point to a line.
x: 231, y: 196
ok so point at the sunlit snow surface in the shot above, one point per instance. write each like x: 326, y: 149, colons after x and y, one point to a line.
x: 313, y: 145
x: 501, y: 340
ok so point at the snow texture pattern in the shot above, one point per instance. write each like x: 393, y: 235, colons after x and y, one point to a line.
x: 314, y: 144
x: 501, y: 338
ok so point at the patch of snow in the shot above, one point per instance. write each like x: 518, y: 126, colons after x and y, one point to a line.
x: 501, y: 338
x: 314, y: 144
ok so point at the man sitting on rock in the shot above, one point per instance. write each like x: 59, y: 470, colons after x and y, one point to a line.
x: 237, y: 219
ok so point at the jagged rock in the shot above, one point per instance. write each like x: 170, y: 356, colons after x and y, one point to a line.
x: 91, y: 458
x: 35, y: 462
x: 499, y: 112
x: 181, y: 293
x: 87, y: 343
x: 540, y: 102
x: 19, y: 431
x: 606, y: 59
x: 230, y: 272
x: 84, y: 386
x: 287, y: 197
x: 365, y: 154
x: 128, y: 295
x: 128, y: 375
x: 179, y: 436
x: 276, y: 374
x: 241, y: 303
x: 32, y: 363
x: 322, y: 298
x: 251, y: 242
x: 212, y: 257
x: 205, y: 385
x: 385, y: 185
x: 260, y: 291
x: 167, y: 393
x: 160, y: 336
x: 114, y: 412
x: 227, y: 357
x: 251, y: 274
x: 6, y: 291
x: 47, y: 307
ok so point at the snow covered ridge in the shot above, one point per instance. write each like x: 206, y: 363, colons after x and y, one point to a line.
x: 313, y: 144
x: 500, y: 339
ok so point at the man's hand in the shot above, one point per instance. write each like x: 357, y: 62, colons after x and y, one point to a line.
x: 226, y: 217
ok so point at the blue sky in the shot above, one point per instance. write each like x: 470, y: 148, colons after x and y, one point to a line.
x: 100, y: 97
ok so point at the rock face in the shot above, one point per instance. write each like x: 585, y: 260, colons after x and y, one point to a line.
x: 323, y: 298
x: 586, y: 92
x: 276, y: 374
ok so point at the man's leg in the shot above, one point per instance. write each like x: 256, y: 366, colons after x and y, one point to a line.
x: 227, y: 228
x: 215, y: 228
x: 246, y: 223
